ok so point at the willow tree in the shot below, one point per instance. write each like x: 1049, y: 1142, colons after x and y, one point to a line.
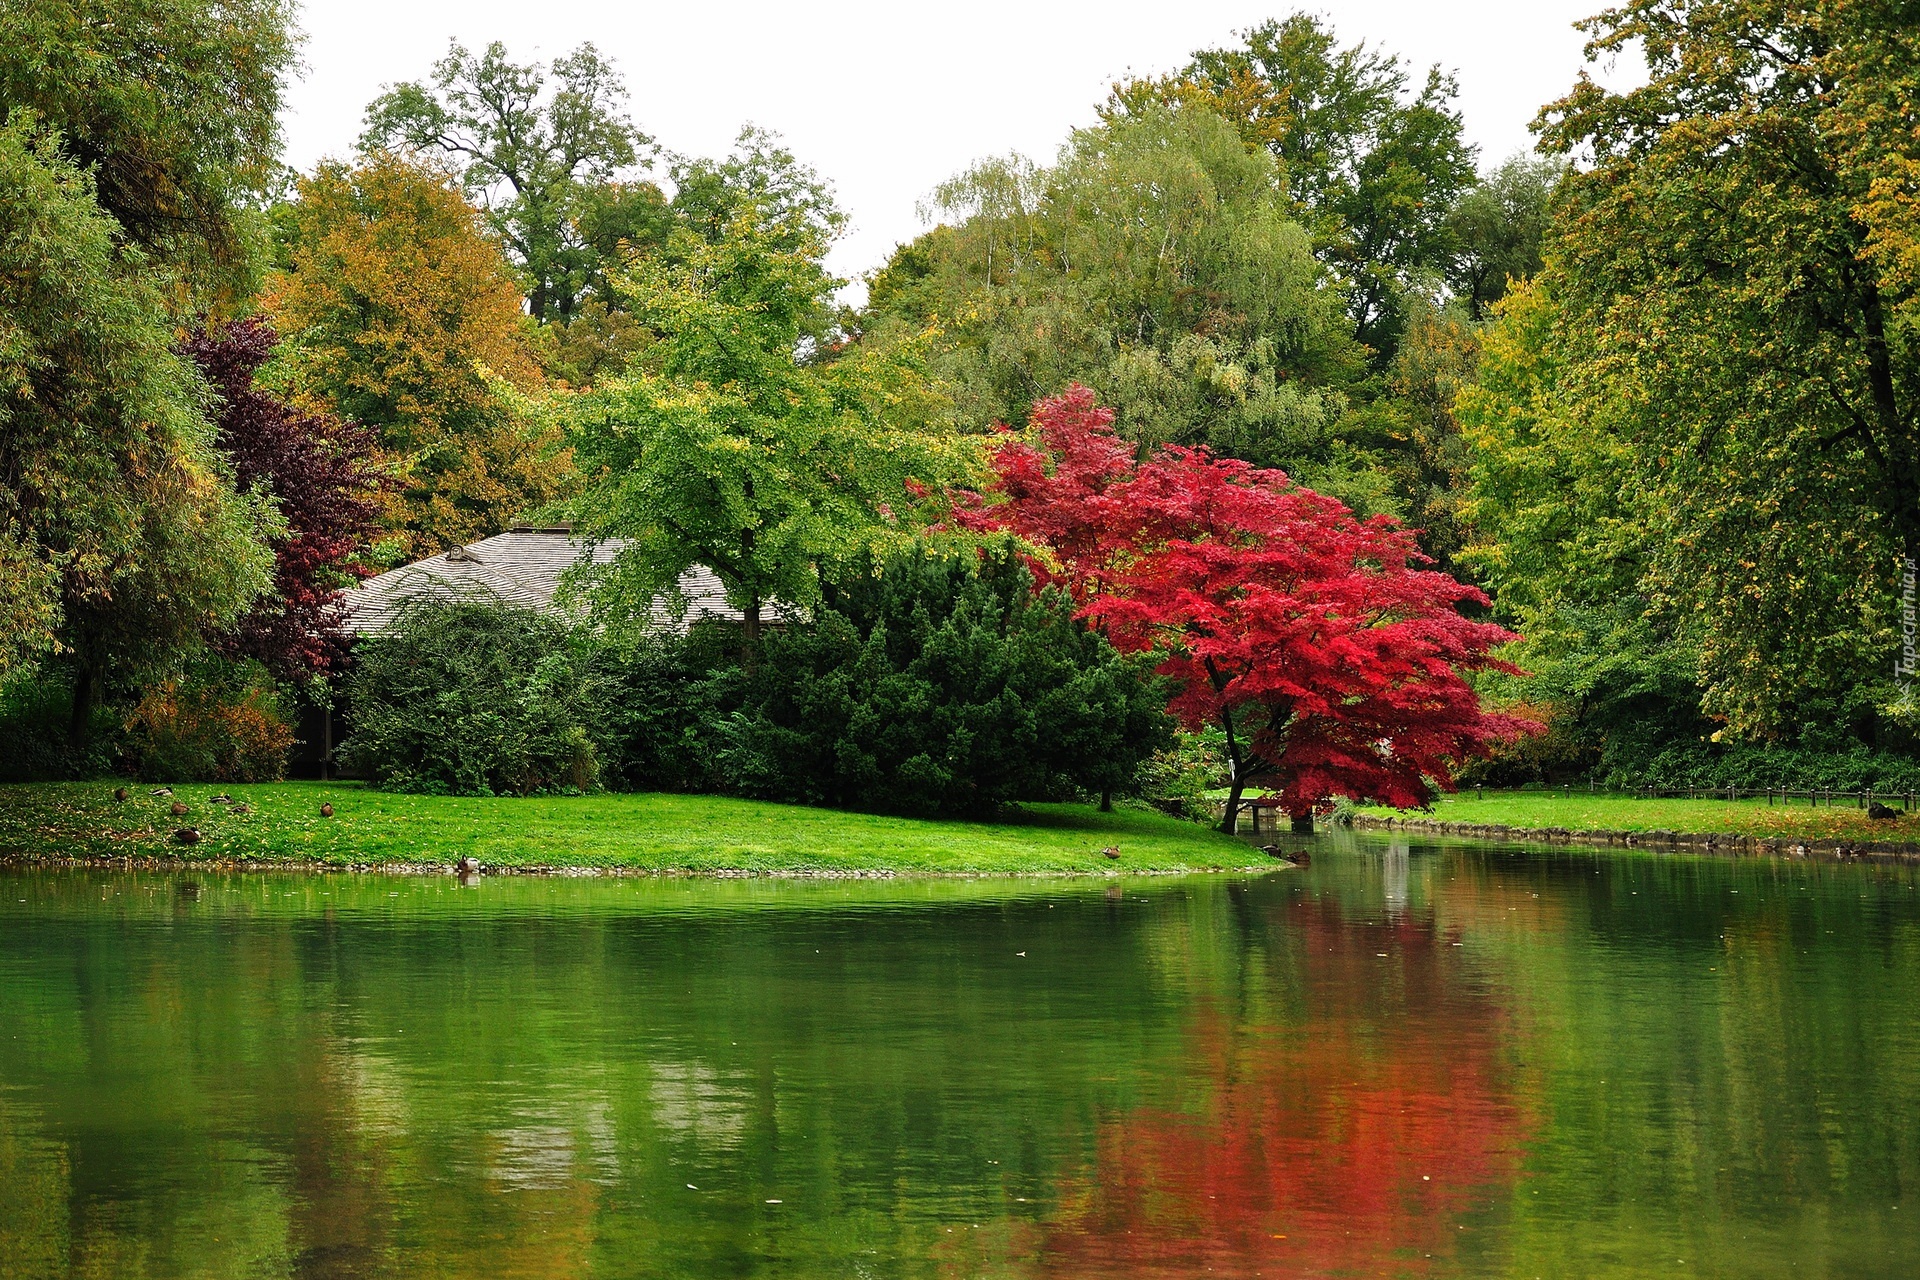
x: 1158, y: 262
x: 1374, y: 156
x: 172, y: 107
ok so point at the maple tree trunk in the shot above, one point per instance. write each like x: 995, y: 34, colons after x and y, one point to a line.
x: 1237, y: 767
x: 1229, y: 822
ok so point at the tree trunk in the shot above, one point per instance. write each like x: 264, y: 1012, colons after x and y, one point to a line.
x: 79, y: 726
x: 1230, y: 821
x: 1886, y: 434
x: 1303, y: 823
x: 1236, y: 769
x: 750, y: 632
x: 1106, y: 800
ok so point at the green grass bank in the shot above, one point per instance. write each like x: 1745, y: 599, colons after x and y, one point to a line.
x: 1582, y: 811
x: 645, y: 833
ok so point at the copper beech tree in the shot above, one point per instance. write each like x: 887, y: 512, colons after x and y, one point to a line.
x: 1333, y: 661
x: 322, y: 475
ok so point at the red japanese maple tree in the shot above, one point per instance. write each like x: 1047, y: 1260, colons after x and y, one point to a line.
x: 324, y: 475
x: 1331, y: 656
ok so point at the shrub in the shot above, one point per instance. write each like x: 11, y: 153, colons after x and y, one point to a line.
x: 221, y: 722
x: 653, y: 708
x: 474, y: 698
x: 1754, y: 767
x: 936, y: 684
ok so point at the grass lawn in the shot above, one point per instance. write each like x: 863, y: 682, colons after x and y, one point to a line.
x: 649, y: 832
x: 1584, y: 812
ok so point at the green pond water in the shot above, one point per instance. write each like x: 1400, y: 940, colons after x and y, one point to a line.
x: 1428, y: 1061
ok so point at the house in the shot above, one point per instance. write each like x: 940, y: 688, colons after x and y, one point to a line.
x: 522, y: 566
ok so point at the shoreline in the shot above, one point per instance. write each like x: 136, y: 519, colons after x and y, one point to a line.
x: 1720, y: 843
x: 24, y: 862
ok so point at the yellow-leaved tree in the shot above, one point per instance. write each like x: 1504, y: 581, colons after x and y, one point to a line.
x: 399, y: 312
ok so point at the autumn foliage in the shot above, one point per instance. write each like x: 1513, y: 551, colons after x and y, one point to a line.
x: 231, y: 728
x: 1334, y: 660
x: 321, y: 473
x: 398, y: 311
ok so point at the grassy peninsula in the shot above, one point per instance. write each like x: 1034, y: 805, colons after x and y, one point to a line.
x: 649, y: 832
x: 1581, y: 811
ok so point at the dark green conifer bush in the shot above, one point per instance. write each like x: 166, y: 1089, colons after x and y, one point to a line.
x: 937, y: 683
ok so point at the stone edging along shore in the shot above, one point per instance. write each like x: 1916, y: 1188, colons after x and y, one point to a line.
x: 1720, y: 842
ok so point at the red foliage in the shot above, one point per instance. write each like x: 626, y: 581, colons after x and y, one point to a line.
x: 1331, y: 655
x: 321, y: 471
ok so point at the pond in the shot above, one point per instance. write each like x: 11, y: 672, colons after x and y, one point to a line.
x: 1426, y: 1060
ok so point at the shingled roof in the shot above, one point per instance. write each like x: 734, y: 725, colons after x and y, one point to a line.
x: 522, y: 566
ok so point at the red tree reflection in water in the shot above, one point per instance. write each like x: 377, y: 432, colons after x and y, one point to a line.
x: 1349, y: 1143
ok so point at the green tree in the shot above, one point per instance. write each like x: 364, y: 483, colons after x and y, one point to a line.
x: 1420, y: 455
x: 552, y: 169
x: 728, y: 443
x: 1730, y: 277
x: 795, y: 205
x: 1373, y: 162
x: 1562, y: 534
x: 121, y: 535
x: 1498, y: 227
x: 1158, y: 263
x: 171, y: 106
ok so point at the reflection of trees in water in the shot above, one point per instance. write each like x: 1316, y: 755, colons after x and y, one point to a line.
x: 527, y: 1095
x: 1356, y: 1139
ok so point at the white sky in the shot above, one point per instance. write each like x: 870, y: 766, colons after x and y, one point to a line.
x: 888, y: 99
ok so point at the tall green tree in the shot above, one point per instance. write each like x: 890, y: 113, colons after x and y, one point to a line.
x: 553, y: 167
x: 1373, y: 158
x: 729, y: 443
x: 794, y: 204
x: 1562, y: 534
x: 121, y: 535
x: 172, y: 107
x: 1157, y: 262
x: 1498, y: 228
x: 135, y: 138
x: 1735, y: 297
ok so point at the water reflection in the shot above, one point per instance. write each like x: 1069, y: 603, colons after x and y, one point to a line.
x: 1350, y: 1129
x: 1406, y: 1060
